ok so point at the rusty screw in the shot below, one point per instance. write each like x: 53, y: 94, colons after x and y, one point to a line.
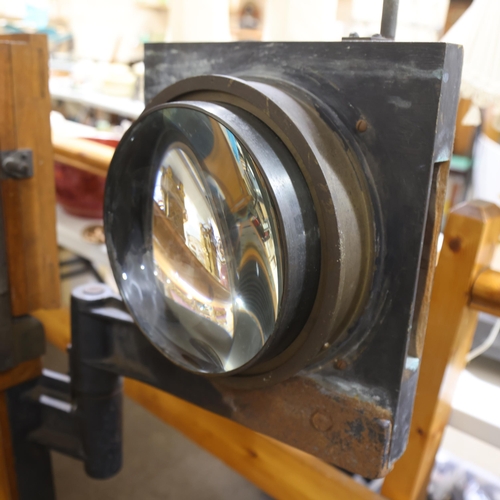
x: 320, y: 421
x: 340, y: 364
x: 361, y: 125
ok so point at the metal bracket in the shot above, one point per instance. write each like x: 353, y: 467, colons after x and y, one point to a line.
x: 16, y: 164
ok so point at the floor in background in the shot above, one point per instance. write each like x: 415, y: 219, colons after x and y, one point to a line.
x: 159, y: 463
x: 457, y: 479
x: 471, y: 449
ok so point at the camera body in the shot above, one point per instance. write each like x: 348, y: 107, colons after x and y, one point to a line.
x: 352, y: 140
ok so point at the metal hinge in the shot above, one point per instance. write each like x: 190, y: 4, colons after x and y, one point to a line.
x: 16, y: 164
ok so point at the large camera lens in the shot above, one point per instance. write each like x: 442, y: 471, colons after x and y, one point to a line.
x: 218, y: 260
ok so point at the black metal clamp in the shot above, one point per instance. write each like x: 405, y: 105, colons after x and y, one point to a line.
x: 17, y: 164
x: 81, y: 413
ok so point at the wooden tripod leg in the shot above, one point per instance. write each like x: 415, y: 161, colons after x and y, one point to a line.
x: 470, y: 236
x: 8, y: 484
x: 10, y: 378
x: 28, y: 210
x: 28, y: 204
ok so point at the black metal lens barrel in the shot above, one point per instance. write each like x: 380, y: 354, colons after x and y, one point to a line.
x: 152, y: 254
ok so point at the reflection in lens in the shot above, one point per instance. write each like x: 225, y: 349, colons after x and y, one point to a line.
x: 215, y: 245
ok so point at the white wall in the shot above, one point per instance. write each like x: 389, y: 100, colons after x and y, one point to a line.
x: 300, y: 20
x: 199, y: 21
x: 418, y: 20
x: 110, y: 29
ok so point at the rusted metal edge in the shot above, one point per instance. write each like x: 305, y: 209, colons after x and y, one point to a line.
x: 312, y: 414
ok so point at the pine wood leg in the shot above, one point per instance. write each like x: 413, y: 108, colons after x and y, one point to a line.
x: 470, y: 236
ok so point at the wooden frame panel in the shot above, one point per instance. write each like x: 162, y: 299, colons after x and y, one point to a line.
x: 28, y: 204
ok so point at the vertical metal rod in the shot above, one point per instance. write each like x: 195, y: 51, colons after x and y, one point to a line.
x: 389, y: 19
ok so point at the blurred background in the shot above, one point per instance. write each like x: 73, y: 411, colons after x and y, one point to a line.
x: 97, y: 73
x: 96, y: 84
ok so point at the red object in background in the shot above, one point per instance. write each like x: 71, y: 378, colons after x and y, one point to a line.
x: 81, y: 193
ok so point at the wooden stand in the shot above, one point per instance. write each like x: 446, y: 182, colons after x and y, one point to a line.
x: 28, y: 210
x: 28, y: 204
x: 463, y: 285
x: 21, y: 373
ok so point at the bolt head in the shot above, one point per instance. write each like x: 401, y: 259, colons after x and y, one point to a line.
x: 361, y: 125
x: 321, y: 421
x: 16, y: 167
x: 340, y: 364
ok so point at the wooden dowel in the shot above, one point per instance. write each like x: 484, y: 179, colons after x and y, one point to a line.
x: 8, y: 479
x: 83, y: 154
x: 486, y: 292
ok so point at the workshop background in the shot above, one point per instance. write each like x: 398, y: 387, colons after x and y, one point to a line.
x: 96, y: 83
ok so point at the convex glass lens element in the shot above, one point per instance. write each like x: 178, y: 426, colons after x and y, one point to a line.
x: 212, y: 236
x: 216, y: 248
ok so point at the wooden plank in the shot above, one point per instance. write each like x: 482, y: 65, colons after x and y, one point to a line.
x: 469, y: 242
x: 486, y: 292
x: 10, y: 378
x: 83, y: 154
x: 283, y: 472
x: 28, y: 204
x: 21, y: 373
x: 429, y: 255
x: 464, y: 134
x: 57, y: 326
x: 8, y: 481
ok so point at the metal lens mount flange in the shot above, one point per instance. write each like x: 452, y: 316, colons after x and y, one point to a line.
x: 322, y: 166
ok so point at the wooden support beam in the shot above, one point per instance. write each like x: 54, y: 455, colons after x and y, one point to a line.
x: 8, y: 481
x: 83, y: 154
x: 470, y: 237
x: 486, y: 292
x: 469, y: 241
x: 21, y: 373
x: 28, y: 210
x: 280, y: 470
x: 28, y: 204
x: 10, y: 378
